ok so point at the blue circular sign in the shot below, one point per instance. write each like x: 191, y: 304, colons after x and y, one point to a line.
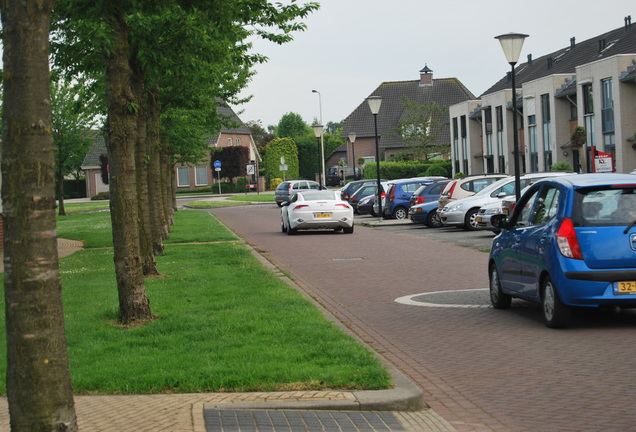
x: 217, y: 164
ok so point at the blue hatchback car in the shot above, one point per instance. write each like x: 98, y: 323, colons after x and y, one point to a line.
x: 569, y: 242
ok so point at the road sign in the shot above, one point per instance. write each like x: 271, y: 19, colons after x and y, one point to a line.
x: 250, y: 169
x: 217, y: 164
x: 283, y: 168
x: 282, y: 160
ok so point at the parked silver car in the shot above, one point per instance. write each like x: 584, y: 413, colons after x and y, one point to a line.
x: 463, y: 212
x: 287, y: 189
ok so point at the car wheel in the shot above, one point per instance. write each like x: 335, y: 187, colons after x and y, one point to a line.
x: 433, y: 220
x: 348, y: 230
x: 498, y: 298
x: 555, y: 313
x: 279, y: 204
x: 470, y: 221
x: 291, y: 231
x: 400, y: 213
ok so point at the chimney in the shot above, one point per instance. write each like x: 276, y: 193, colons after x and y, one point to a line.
x: 529, y: 59
x: 426, y: 77
x: 628, y: 22
x: 572, y: 42
x: 602, y: 44
x: 550, y: 62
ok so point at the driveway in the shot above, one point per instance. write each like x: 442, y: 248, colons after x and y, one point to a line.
x: 481, y: 369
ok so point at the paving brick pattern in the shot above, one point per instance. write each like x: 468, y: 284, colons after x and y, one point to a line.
x: 232, y: 420
x: 480, y: 369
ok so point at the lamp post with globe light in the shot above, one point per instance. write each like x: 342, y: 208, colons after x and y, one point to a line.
x: 511, y: 43
x: 352, y: 139
x: 374, y: 105
x: 318, y: 132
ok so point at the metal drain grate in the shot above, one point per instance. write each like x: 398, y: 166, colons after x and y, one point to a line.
x: 229, y: 420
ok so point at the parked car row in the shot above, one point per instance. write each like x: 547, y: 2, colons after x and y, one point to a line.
x: 570, y: 241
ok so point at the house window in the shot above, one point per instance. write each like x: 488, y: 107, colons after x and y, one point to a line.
x: 607, y: 115
x: 183, y: 177
x: 532, y: 137
x: 201, y: 176
x: 588, y: 112
x: 238, y: 142
x: 455, y: 140
x: 229, y: 142
x: 488, y: 120
x: 547, y: 137
x: 464, y: 142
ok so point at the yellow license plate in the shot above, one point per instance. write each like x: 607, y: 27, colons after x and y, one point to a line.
x: 627, y: 287
x: 322, y: 215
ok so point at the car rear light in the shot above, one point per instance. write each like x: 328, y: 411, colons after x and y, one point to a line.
x: 419, y: 200
x: 299, y: 206
x: 452, y: 188
x: 392, y: 194
x: 342, y: 205
x: 345, y: 197
x: 567, y: 241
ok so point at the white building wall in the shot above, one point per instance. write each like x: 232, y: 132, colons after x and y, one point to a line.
x: 559, y: 127
x: 473, y: 139
x: 494, y: 100
x: 624, y: 95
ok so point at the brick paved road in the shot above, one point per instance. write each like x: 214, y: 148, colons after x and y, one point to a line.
x: 481, y: 369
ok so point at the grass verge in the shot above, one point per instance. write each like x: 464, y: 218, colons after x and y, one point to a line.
x: 224, y: 322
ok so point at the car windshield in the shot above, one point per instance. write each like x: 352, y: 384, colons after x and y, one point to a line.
x: 604, y: 206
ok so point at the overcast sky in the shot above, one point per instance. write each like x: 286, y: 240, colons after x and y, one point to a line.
x: 352, y: 46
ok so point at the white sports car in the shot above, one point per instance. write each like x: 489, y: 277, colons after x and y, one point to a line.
x: 316, y: 209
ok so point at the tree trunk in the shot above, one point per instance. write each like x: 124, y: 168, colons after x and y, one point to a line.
x: 157, y: 220
x: 167, y: 180
x: 142, y: 154
x: 120, y: 142
x: 39, y: 389
x: 60, y: 193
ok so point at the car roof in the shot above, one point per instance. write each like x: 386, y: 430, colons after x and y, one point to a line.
x: 593, y: 179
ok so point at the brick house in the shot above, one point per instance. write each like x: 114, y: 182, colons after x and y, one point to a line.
x: 187, y: 177
x: 443, y: 91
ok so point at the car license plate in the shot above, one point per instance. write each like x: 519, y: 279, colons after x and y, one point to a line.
x: 322, y: 215
x: 627, y: 287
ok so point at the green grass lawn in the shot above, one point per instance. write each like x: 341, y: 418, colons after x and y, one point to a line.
x: 224, y: 322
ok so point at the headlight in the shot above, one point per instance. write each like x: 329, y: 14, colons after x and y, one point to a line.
x: 454, y: 208
x: 494, y: 211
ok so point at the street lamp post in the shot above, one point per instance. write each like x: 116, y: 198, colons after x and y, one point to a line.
x: 511, y: 44
x: 352, y: 139
x: 318, y: 132
x: 374, y: 105
x: 322, y: 142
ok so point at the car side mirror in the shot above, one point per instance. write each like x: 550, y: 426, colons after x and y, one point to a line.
x: 499, y: 221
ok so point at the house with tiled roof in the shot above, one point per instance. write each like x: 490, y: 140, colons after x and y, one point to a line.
x: 442, y: 91
x: 190, y: 176
x: 591, y: 84
x: 234, y: 134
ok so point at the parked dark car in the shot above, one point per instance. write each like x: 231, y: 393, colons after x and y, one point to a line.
x: 353, y: 186
x: 426, y: 214
x: 363, y: 192
x: 569, y: 242
x: 398, y: 197
x: 337, y: 175
x: 365, y: 206
x: 428, y: 192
